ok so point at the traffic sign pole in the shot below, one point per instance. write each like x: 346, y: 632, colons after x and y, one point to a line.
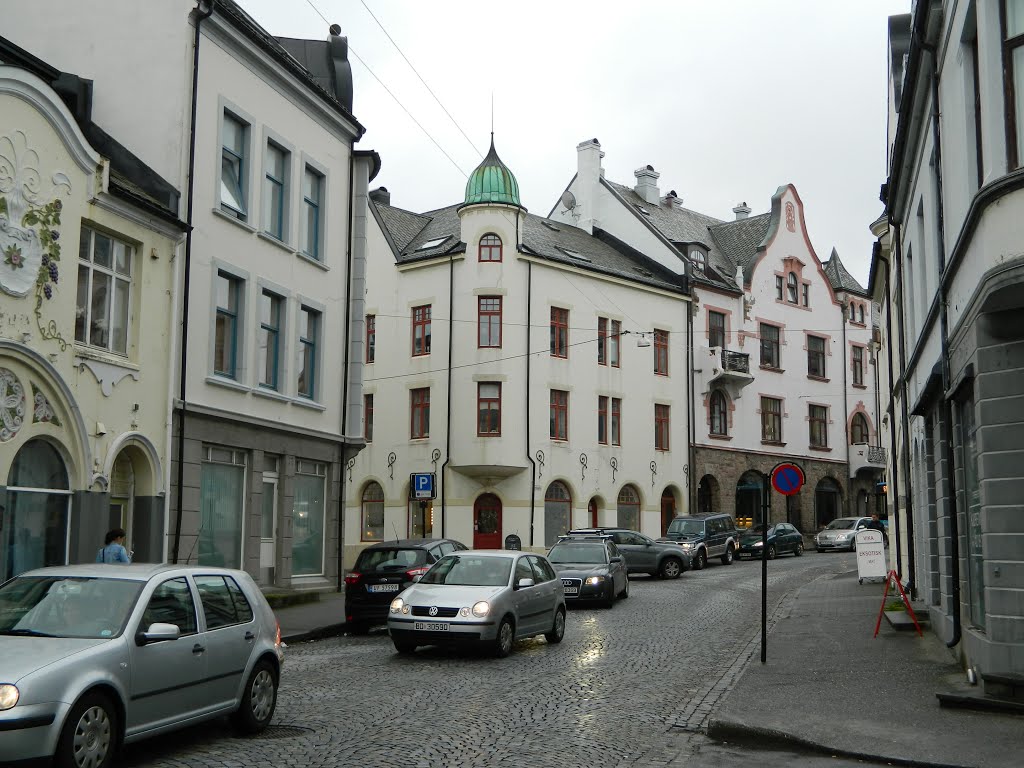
x: 787, y: 478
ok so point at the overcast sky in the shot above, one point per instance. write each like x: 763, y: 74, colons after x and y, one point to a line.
x: 727, y: 99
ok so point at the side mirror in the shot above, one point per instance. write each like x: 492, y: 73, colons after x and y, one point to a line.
x: 616, y: 559
x: 157, y: 633
x: 523, y: 583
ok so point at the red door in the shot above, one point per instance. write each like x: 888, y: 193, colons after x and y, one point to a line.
x: 668, y: 510
x: 592, y: 510
x: 487, y: 522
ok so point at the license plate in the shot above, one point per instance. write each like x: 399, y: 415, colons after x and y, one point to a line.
x: 430, y: 626
x: 571, y: 590
x: 383, y: 587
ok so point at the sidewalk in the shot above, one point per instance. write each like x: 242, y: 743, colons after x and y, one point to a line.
x: 829, y: 686
x: 315, y: 620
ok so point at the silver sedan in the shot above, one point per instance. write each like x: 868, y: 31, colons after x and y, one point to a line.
x: 93, y: 656
x: 491, y: 597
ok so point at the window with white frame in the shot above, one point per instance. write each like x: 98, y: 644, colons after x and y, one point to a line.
x: 308, y: 518
x: 275, y: 191
x: 309, y: 331
x: 102, y: 309
x: 221, y: 506
x: 226, y: 332
x: 234, y: 166
x: 312, y: 195
x: 269, y: 342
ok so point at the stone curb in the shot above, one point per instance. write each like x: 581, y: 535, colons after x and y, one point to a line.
x: 319, y: 633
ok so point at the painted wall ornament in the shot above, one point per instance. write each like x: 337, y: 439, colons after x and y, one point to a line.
x: 29, y: 227
x: 42, y: 411
x: 790, y: 217
x: 12, y: 405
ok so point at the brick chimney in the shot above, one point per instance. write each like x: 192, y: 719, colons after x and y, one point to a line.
x: 647, y: 184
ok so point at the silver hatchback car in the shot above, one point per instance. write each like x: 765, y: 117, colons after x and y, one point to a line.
x: 491, y: 597
x: 93, y: 656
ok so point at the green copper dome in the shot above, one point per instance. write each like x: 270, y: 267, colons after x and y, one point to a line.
x: 492, y: 182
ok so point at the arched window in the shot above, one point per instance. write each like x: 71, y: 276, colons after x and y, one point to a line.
x: 853, y: 312
x: 557, y: 512
x: 791, y: 287
x: 858, y: 429
x: 373, y: 513
x: 719, y: 413
x: 34, y: 532
x: 490, y: 248
x: 860, y: 314
x: 628, y: 511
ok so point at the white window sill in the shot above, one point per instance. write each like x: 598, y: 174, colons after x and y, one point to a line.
x: 273, y: 240
x: 307, y: 403
x: 237, y: 222
x: 221, y: 381
x: 312, y: 261
x: 271, y: 394
x: 110, y: 358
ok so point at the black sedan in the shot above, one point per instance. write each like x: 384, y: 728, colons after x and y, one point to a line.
x: 382, y: 571
x: 782, y: 537
x: 591, y: 568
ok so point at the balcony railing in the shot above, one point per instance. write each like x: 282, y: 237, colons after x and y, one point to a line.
x: 866, y: 457
x: 737, y: 362
x: 876, y: 454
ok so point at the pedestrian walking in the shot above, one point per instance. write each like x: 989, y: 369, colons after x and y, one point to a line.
x: 113, y: 550
x: 876, y: 525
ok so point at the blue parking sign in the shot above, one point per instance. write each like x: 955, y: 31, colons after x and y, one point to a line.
x: 422, y: 484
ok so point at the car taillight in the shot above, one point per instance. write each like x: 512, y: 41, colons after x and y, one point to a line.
x: 414, y: 572
x: 353, y: 578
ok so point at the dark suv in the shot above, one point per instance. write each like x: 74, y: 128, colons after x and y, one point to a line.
x: 382, y: 571
x: 704, y: 537
x: 644, y: 554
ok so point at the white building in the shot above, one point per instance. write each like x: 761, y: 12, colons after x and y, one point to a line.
x: 781, y: 357
x: 949, y: 275
x: 269, y: 175
x: 88, y: 240
x: 504, y: 353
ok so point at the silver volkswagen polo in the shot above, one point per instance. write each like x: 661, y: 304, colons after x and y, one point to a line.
x: 93, y: 656
x: 492, y: 597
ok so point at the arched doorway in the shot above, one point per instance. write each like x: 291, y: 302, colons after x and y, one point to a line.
x: 749, y: 499
x: 557, y: 512
x: 372, y: 513
x: 592, y: 508
x: 707, y: 495
x: 36, y: 516
x: 668, y: 509
x: 487, y: 522
x: 628, y: 509
x: 828, y: 502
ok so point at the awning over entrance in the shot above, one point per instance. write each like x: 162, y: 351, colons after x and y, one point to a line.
x: 487, y: 473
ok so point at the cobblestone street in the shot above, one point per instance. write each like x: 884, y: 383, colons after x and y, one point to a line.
x: 630, y: 686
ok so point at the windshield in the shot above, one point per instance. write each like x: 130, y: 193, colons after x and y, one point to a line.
x: 66, y: 606
x: 759, y: 530
x: 686, y: 527
x: 843, y: 523
x: 470, y: 571
x: 390, y: 559
x: 577, y: 552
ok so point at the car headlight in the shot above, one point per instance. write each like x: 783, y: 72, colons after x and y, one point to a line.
x: 481, y: 609
x: 685, y: 544
x: 397, y: 605
x: 8, y: 696
x: 758, y: 544
x: 844, y: 536
x: 595, y: 579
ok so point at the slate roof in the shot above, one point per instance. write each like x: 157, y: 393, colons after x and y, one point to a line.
x: 738, y: 240
x: 841, y: 279
x: 680, y: 225
x: 541, y: 237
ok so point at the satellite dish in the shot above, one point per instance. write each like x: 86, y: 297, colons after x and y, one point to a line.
x: 568, y: 200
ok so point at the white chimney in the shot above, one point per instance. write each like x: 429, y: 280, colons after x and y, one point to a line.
x: 739, y: 278
x: 672, y: 200
x: 588, y: 177
x: 742, y: 210
x: 647, y: 184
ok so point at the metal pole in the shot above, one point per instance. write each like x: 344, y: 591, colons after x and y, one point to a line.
x: 764, y: 567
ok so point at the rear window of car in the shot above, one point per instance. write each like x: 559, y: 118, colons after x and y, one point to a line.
x: 223, y: 601
x: 390, y: 559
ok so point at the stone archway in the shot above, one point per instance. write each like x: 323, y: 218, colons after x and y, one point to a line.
x: 749, y: 499
x: 709, y: 495
x: 828, y: 502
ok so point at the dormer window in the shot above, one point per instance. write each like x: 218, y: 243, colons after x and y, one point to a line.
x: 490, y: 248
x: 791, y: 287
x: 699, y: 258
x: 431, y: 243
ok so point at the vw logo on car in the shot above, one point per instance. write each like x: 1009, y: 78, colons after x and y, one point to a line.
x: 433, y: 610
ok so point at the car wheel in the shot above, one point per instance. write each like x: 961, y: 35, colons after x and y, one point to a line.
x: 625, y: 590
x: 771, y: 552
x: 799, y: 549
x: 671, y: 568
x: 557, y: 629
x: 700, y: 560
x: 505, y: 637
x: 727, y: 558
x: 404, y: 646
x: 90, y: 734
x: 853, y: 545
x: 259, y: 698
